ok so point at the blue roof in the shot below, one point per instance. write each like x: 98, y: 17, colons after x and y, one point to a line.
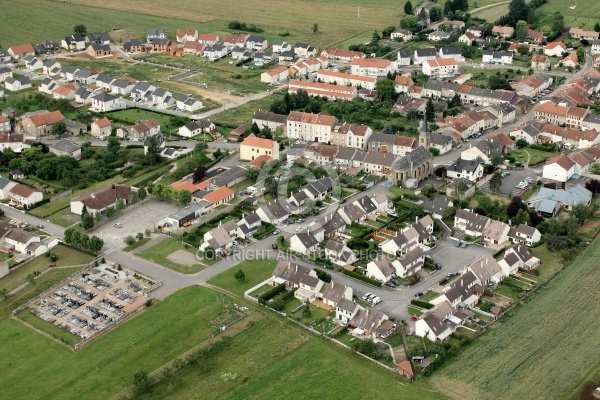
x: 569, y: 197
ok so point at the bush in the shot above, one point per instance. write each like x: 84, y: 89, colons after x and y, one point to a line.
x: 53, y: 257
x: 422, y: 304
x: 363, y: 278
x: 322, y: 275
x: 288, y: 295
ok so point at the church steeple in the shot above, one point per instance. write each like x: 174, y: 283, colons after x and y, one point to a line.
x: 424, y: 134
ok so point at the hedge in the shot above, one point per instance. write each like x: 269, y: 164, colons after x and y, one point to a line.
x: 322, y: 275
x: 500, y: 252
x: 542, y: 148
x: 363, y: 278
x: 269, y: 294
x: 422, y: 304
x: 288, y: 295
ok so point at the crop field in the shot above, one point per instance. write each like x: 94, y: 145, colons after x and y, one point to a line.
x: 585, y: 14
x: 337, y: 20
x: 542, y: 350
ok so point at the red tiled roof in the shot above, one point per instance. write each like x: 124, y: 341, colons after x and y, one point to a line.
x: 23, y: 190
x: 106, y: 197
x: 22, y: 49
x: 254, y: 141
x: 563, y: 160
x: 184, y: 185
x: 49, y: 118
x: 219, y: 194
x: 258, y: 161
x: 103, y: 122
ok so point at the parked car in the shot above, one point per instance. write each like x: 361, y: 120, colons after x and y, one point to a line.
x: 274, y: 246
x: 300, y: 220
x: 375, y: 300
x: 366, y: 296
x: 529, y: 180
x: 315, y: 212
x: 118, y: 225
x: 458, y: 244
x: 276, y: 232
x: 505, y: 174
x: 449, y: 275
x: 40, y: 226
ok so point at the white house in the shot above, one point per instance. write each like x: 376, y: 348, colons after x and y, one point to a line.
x: 16, y: 84
x: 346, y: 310
x: 105, y: 102
x: 305, y: 242
x: 381, y: 269
x: 469, y: 169
x: 440, y: 67
x: 422, y: 55
x: 275, y: 75
x: 555, y: 49
x: 188, y: 103
x: 196, y: 127
x: 497, y: 57
x: 560, y: 168
x: 25, y: 196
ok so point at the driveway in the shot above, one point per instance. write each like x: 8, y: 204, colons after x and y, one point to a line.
x: 134, y: 219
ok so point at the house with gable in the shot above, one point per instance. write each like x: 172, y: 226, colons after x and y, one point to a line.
x: 470, y: 223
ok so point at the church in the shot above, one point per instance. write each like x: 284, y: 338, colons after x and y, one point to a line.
x: 416, y: 165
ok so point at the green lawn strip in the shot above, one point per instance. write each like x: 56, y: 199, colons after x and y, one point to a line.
x: 255, y: 271
x: 508, y: 292
x: 395, y: 340
x: 160, y: 251
x: 415, y: 311
x: 428, y: 296
x: 549, y: 263
x: 65, y: 256
x: 137, y: 244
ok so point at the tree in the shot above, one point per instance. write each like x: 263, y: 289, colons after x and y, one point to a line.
x: 184, y: 197
x: 59, y: 129
x: 142, y: 193
x: 582, y: 212
x: 80, y: 29
x: 139, y: 236
x: 278, y: 304
x: 252, y: 174
x: 129, y: 240
x: 554, y: 243
x: 595, y: 168
x: 148, y: 232
x: 522, y: 217
x: 487, y: 205
x: 455, y: 101
x: 546, y: 30
x: 516, y: 204
x: 436, y: 14
x: 423, y: 17
x: 597, y: 27
x: 315, y: 28
x: 409, y: 22
x: 153, y: 152
x: 496, y: 158
x: 87, y: 221
x: 495, y: 181
x: 386, y: 89
x: 408, y: 8
x: 496, y: 82
x: 558, y: 23
x: 110, y: 211
x: 306, y: 311
x: 430, y: 111
x: 209, y: 253
x: 593, y: 185
x: 521, y: 143
x: 113, y: 145
x: 522, y: 49
x: 440, y: 171
x: 239, y: 275
x: 141, y: 382
x: 120, y: 205
x: 375, y: 38
x: 517, y: 10
x: 449, y: 212
x: 581, y: 54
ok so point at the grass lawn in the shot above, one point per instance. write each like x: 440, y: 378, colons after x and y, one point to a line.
x: 218, y: 74
x: 395, y: 340
x: 584, y: 15
x: 138, y: 243
x: 53, y: 330
x: 66, y: 256
x: 134, y: 114
x: 42, y: 284
x: 553, y: 329
x: 300, y: 370
x: 105, y: 367
x: 256, y: 271
x: 508, y: 292
x: 428, y: 296
x: 492, y: 13
x: 397, y: 191
x: 243, y: 114
x: 291, y: 305
x: 549, y: 263
x: 481, y: 76
x: 415, y: 311
x: 160, y: 251
x: 535, y: 156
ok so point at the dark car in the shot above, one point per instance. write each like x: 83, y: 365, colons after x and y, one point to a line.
x: 316, y: 212
x: 342, y: 201
x: 274, y: 246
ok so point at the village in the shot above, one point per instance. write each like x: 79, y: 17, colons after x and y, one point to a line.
x: 407, y: 196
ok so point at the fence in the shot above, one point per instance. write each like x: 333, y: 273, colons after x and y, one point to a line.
x: 61, y: 195
x: 252, y: 289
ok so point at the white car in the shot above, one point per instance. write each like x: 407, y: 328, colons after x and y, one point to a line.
x: 375, y: 300
x: 366, y: 296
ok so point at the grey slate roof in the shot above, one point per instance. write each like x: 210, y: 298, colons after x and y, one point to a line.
x: 415, y: 158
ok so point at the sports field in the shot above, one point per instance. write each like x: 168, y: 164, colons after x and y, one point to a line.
x: 540, y: 352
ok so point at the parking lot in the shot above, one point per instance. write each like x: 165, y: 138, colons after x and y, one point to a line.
x: 93, y: 300
x: 134, y: 219
x: 509, y: 183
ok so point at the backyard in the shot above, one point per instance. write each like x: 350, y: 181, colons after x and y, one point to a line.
x: 531, y: 156
x: 255, y: 272
x: 131, y: 115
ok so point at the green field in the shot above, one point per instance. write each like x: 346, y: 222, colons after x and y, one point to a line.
x: 338, y: 20
x: 106, y: 366
x: 138, y: 243
x: 492, y: 13
x: 532, y: 155
x: 219, y: 74
x: 540, y: 351
x: 255, y: 271
x: 160, y: 251
x: 585, y: 14
x: 131, y: 115
x: 243, y: 114
x: 65, y: 257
